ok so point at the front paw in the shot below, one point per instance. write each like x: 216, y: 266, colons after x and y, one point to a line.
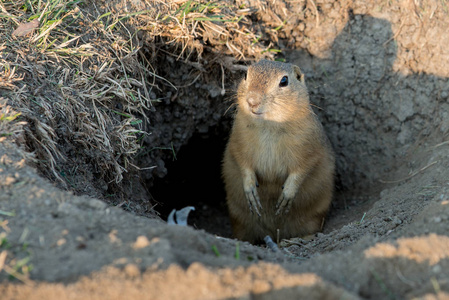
x: 289, y: 191
x: 253, y: 199
x: 284, y: 203
x: 250, y: 187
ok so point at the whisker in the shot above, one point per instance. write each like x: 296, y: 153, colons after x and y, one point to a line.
x: 316, y: 106
x: 230, y: 106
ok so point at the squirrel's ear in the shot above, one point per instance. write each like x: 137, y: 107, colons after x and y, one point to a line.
x: 299, y: 74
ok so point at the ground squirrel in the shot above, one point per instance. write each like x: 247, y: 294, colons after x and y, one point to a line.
x: 278, y: 166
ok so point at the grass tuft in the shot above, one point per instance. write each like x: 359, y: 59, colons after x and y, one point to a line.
x: 67, y: 80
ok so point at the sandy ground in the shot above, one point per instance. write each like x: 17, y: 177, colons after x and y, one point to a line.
x: 79, y: 248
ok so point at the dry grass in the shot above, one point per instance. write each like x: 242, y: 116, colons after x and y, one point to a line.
x: 76, y: 81
x: 193, y: 26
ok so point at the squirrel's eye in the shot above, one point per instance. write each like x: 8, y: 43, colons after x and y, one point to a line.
x: 284, y: 81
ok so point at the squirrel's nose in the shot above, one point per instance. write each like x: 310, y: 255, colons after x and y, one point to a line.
x: 253, y: 102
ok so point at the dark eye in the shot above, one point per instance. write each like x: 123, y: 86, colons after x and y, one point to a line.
x: 284, y: 81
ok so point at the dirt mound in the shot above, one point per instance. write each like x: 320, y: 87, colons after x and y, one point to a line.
x: 126, y: 101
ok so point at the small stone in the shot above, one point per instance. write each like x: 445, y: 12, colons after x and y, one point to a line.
x: 131, y: 270
x: 436, y: 269
x: 141, y: 242
x: 397, y: 221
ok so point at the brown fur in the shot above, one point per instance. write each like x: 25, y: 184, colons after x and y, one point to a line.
x: 278, y: 166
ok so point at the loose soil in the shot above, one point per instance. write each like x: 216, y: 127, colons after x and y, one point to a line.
x: 377, y: 74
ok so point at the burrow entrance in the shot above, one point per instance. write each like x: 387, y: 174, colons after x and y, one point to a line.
x: 374, y: 107
x: 194, y: 179
x: 373, y: 115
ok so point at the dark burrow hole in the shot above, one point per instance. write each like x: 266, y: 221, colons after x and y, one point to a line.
x: 194, y: 179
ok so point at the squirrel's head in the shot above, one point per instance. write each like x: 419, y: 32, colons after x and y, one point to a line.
x: 273, y: 91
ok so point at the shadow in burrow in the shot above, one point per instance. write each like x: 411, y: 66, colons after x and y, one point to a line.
x: 374, y: 117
